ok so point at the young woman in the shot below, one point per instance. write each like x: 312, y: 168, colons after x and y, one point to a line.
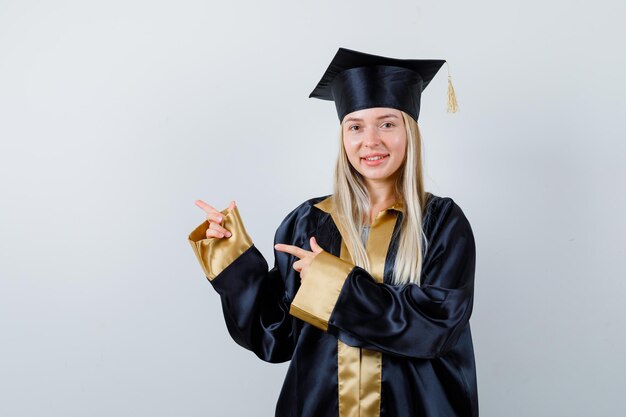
x: 372, y: 288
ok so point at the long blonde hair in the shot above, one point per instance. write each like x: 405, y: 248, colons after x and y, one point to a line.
x: 351, y: 202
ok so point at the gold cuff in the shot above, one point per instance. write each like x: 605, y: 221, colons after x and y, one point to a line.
x: 215, y: 254
x: 318, y: 293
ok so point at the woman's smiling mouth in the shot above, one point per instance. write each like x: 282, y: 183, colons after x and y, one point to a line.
x: 374, y: 159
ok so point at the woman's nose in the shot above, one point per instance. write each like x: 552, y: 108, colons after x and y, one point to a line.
x: 372, y: 138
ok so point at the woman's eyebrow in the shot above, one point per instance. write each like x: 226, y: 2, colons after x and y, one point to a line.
x: 356, y: 119
x: 386, y: 116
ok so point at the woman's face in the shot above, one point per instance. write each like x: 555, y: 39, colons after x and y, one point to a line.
x: 375, y: 142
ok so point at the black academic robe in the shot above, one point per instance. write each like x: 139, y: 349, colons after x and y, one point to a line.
x: 358, y: 345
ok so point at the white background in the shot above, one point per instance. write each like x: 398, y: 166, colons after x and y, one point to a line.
x: 115, y: 116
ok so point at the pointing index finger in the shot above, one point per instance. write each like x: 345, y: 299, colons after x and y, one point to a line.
x: 206, y: 207
x: 290, y: 249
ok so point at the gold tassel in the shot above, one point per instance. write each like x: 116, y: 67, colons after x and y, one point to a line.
x: 453, y: 106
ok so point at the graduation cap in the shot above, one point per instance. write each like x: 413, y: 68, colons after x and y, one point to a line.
x: 356, y: 80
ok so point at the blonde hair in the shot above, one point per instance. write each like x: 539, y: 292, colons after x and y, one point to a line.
x: 351, y: 202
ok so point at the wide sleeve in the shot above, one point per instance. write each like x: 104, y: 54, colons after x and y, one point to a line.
x: 408, y: 320
x: 255, y: 301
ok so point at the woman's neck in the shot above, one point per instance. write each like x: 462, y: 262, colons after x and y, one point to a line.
x: 382, y: 196
x: 381, y: 193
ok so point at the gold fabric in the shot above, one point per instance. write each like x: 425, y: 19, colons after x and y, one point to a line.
x: 371, y: 361
x: 318, y: 292
x: 348, y: 369
x: 371, y: 383
x: 378, y: 242
x: 215, y: 254
x: 348, y: 379
x: 359, y: 371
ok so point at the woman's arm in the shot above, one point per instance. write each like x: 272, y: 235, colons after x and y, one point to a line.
x: 409, y: 320
x: 254, y: 300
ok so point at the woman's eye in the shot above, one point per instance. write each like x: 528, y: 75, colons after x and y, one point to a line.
x: 387, y: 124
x: 354, y: 127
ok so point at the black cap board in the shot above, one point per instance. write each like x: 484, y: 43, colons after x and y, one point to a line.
x: 356, y: 80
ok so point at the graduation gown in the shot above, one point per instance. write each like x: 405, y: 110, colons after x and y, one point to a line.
x: 358, y: 345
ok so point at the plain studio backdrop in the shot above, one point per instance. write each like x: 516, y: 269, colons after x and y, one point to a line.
x: 115, y: 116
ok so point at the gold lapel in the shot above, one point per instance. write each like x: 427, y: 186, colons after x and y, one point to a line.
x: 359, y: 371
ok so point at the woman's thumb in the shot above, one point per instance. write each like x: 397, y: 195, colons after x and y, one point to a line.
x: 316, y: 248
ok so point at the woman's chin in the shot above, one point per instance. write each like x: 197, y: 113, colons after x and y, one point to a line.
x: 376, y: 176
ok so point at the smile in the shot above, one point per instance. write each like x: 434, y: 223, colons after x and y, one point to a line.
x: 374, y: 160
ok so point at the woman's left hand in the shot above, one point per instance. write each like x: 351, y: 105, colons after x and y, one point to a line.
x: 306, y: 257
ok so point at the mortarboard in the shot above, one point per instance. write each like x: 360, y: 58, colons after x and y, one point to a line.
x: 356, y: 80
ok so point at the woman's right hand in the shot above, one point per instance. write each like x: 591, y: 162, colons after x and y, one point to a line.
x: 215, y: 218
